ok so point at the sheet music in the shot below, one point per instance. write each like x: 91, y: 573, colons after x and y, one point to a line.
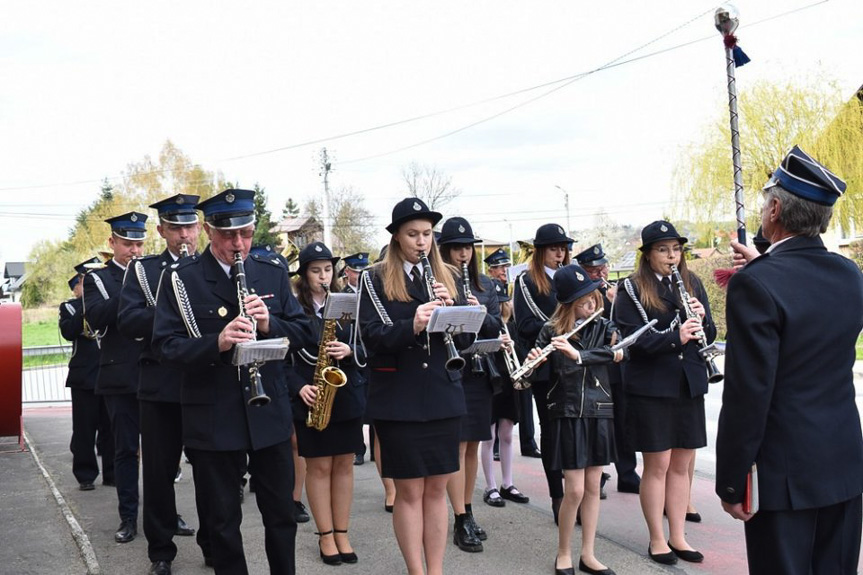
x: 341, y: 306
x: 260, y: 351
x: 484, y: 346
x: 457, y: 319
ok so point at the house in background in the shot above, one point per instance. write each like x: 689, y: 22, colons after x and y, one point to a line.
x: 299, y: 231
x: 14, y: 276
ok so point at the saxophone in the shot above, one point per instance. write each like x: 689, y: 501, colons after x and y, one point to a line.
x: 327, y: 379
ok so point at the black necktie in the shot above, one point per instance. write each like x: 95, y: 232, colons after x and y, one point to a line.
x: 666, y: 281
x: 417, y: 278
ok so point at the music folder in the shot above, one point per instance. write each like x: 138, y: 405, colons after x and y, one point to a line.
x: 260, y: 351
x: 750, y: 492
x: 340, y: 306
x: 457, y: 319
x: 484, y: 346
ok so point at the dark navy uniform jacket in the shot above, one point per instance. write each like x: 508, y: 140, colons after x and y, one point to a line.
x: 214, y: 392
x: 409, y: 380
x: 794, y: 316
x: 527, y: 323
x: 118, y: 362
x: 135, y: 319
x: 350, y: 401
x: 84, y: 363
x: 658, y: 362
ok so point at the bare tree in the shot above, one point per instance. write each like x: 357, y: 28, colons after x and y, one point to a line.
x: 353, y: 224
x: 429, y: 184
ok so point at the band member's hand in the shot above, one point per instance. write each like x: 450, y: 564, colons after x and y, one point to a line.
x: 472, y: 300
x: 338, y: 350
x: 256, y: 308
x: 736, y: 511
x: 697, y: 307
x: 611, y: 292
x: 618, y: 356
x: 562, y: 345
x: 442, y: 293
x: 506, y: 341
x: 308, y: 393
x: 238, y: 330
x: 534, y: 353
x: 423, y: 315
x: 742, y: 254
x: 689, y: 330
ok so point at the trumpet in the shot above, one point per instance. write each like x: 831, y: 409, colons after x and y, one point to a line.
x: 519, y: 376
x: 707, y: 351
x: 510, y: 358
x: 454, y: 361
x: 259, y: 396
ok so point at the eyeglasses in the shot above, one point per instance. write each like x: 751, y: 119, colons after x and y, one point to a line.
x: 665, y: 250
x: 586, y: 304
x: 245, y: 233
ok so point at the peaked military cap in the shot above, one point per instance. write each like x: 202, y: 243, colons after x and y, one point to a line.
x: 497, y: 258
x: 592, y: 256
x: 73, y: 281
x: 87, y: 265
x: 550, y: 234
x: 801, y: 175
x: 129, y: 226
x: 411, y: 209
x: 457, y: 231
x: 572, y: 282
x: 229, y: 210
x: 357, y: 261
x: 178, y: 209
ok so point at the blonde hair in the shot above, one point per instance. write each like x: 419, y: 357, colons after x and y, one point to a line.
x: 565, y: 316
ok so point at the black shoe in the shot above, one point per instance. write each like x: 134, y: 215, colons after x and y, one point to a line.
x: 86, y: 487
x: 531, y: 453
x: 687, y: 554
x: 463, y: 535
x: 665, y: 558
x: 693, y: 517
x: 585, y: 569
x: 335, y: 559
x: 126, y: 532
x: 351, y: 557
x: 479, y: 531
x: 628, y: 487
x: 559, y: 571
x: 514, y: 494
x: 359, y: 459
x: 183, y: 530
x: 160, y: 568
x: 489, y: 498
x: 301, y: 515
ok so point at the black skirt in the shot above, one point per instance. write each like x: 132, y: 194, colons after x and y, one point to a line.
x: 662, y: 423
x: 503, y: 404
x: 476, y: 423
x: 581, y: 442
x: 339, y: 438
x: 412, y: 449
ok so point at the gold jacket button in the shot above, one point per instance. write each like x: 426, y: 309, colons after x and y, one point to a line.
x: 425, y: 366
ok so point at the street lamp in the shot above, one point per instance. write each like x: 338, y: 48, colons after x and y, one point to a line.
x: 566, y: 203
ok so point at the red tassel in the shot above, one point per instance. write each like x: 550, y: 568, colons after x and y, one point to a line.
x: 730, y: 40
x: 723, y: 276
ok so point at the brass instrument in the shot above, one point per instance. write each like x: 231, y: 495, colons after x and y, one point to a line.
x: 327, y: 380
x: 259, y: 396
x: 707, y: 351
x: 519, y: 377
x: 184, y: 250
x: 510, y: 358
x: 476, y: 359
x: 454, y: 361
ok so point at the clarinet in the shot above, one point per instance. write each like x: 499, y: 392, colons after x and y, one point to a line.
x: 476, y: 367
x: 259, y: 396
x: 454, y: 361
x: 707, y: 352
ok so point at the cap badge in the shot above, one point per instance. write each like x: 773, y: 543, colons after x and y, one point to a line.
x: 180, y: 200
x: 461, y: 229
x: 417, y: 206
x: 222, y: 311
x: 663, y: 228
x: 497, y: 288
x: 579, y: 277
x: 230, y: 198
x: 269, y: 248
x: 319, y: 249
x: 596, y: 250
x: 560, y: 230
x: 134, y: 218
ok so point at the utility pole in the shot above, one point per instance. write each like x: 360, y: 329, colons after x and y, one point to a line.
x: 326, y: 167
x: 566, y: 204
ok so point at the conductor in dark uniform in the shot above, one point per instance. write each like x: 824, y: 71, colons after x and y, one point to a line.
x: 788, y: 404
x: 89, y: 414
x: 198, y: 322
x: 159, y: 386
x: 118, y: 362
x: 595, y: 263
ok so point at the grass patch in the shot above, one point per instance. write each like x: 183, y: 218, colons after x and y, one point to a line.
x: 860, y: 347
x: 42, y: 332
x: 46, y: 360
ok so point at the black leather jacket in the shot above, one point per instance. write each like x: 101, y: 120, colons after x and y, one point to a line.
x: 582, y: 389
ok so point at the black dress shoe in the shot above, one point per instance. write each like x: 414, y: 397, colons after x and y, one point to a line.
x: 693, y: 517
x: 126, y: 532
x: 359, y: 459
x: 687, y: 554
x: 351, y: 557
x: 86, y: 487
x: 585, y: 569
x: 665, y: 558
x: 463, y: 535
x: 336, y: 558
x: 160, y: 568
x: 531, y: 453
x: 183, y: 529
x: 300, y: 513
x: 492, y: 497
x: 559, y: 571
x: 514, y: 494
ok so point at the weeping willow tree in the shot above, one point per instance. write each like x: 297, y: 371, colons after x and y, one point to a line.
x: 773, y: 118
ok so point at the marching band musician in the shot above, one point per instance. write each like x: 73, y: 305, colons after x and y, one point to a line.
x: 159, y: 386
x: 457, y: 248
x: 582, y: 433
x: 118, y: 362
x: 329, y: 453
x: 415, y: 402
x: 89, y: 414
x: 665, y: 382
x: 595, y: 263
x: 534, y: 296
x: 199, y: 319
x: 498, y: 263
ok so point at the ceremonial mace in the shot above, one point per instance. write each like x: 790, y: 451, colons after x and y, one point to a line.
x: 726, y: 20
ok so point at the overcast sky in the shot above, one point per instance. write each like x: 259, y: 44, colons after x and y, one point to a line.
x: 86, y: 88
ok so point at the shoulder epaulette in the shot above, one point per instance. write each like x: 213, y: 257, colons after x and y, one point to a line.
x: 268, y: 259
x: 185, y: 262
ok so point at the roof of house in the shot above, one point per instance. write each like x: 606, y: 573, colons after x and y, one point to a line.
x: 293, y: 224
x: 15, y: 269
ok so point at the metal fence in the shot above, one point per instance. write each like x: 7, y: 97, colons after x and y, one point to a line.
x: 43, y: 379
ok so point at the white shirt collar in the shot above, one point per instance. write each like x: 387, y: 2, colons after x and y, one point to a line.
x: 407, y: 266
x: 116, y: 263
x: 225, y: 266
x: 549, y: 271
x: 779, y: 243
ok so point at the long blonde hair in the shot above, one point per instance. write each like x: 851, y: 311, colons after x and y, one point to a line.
x: 564, y: 317
x: 393, y: 277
